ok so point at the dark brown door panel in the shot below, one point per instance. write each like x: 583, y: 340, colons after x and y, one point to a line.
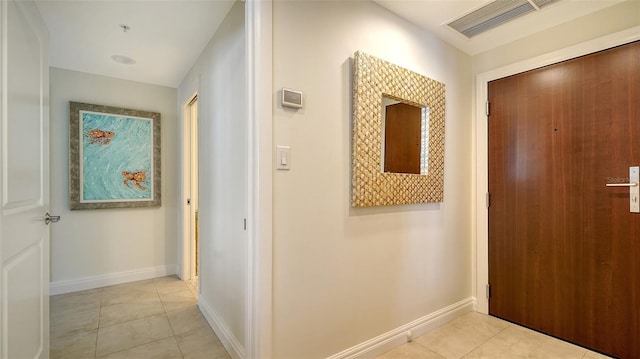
x: 564, y: 249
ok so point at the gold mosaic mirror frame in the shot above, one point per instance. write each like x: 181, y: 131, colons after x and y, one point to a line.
x: 374, y: 78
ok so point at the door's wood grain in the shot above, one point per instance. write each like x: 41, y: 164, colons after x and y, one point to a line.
x: 564, y: 250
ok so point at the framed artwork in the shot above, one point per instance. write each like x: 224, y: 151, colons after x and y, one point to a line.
x: 114, y: 157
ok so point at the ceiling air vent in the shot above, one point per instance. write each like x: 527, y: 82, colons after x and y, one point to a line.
x: 495, y: 13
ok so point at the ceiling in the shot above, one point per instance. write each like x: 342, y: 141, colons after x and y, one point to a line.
x: 165, y: 37
x: 433, y: 15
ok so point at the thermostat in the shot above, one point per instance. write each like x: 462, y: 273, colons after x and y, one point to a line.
x: 291, y: 98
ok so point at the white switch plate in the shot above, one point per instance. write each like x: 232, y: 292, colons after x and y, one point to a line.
x: 283, y: 157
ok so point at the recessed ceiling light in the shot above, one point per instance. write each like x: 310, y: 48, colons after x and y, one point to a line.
x: 123, y: 59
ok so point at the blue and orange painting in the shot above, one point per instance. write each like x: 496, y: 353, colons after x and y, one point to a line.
x: 116, y: 157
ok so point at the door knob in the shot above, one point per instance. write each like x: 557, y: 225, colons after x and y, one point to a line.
x: 50, y: 219
x: 634, y: 189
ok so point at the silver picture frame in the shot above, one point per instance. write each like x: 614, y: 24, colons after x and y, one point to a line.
x: 114, y: 157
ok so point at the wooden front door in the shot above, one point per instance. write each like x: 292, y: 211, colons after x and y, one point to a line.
x: 564, y: 249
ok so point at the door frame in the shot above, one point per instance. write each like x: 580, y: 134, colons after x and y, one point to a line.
x: 188, y: 260
x: 480, y: 172
x: 260, y: 151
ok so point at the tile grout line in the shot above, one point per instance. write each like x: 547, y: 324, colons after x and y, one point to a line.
x: 488, y: 339
x: 137, y: 346
x: 169, y: 321
x: 128, y: 321
x: 157, y: 285
x: 95, y: 349
x: 424, y: 346
x: 467, y: 353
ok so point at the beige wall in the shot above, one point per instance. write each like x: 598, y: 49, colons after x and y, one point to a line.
x: 219, y: 78
x: 94, y: 247
x: 342, y: 275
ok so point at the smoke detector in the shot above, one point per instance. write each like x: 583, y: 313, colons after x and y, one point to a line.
x: 494, y: 14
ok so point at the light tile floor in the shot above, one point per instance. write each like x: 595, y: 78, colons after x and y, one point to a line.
x: 475, y: 336
x: 157, y: 318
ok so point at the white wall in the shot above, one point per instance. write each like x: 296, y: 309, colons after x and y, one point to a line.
x: 97, y: 247
x: 219, y: 78
x: 343, y: 275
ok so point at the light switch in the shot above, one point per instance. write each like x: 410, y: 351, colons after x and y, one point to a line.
x: 283, y: 157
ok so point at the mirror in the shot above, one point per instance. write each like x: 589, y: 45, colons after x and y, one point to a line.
x: 405, y: 137
x: 380, y: 90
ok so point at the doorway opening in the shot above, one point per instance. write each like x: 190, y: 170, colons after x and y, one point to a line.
x: 190, y: 192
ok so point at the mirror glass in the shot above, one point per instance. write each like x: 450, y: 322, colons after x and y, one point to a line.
x: 405, y: 137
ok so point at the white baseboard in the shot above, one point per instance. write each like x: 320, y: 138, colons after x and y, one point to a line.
x: 74, y: 285
x: 223, y: 332
x: 396, y: 337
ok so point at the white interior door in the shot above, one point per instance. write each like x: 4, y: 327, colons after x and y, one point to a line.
x: 24, y: 147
